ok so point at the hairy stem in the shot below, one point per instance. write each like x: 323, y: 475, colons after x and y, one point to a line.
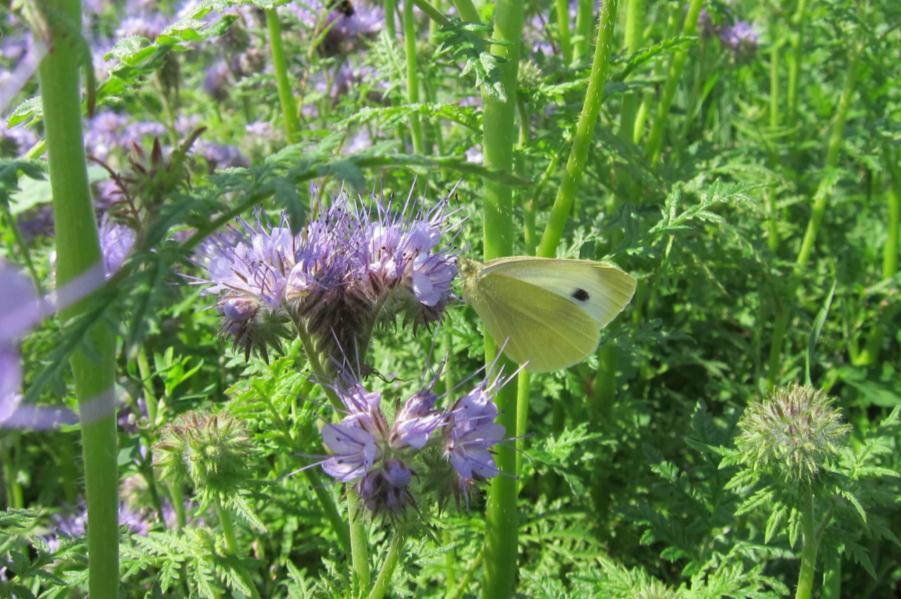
x: 588, y: 118
x: 283, y: 83
x: 412, y: 75
x: 383, y: 580
x: 78, y: 251
x: 498, y: 232
x: 809, y: 549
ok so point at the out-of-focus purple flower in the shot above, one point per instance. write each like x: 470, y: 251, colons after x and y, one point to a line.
x: 127, y: 419
x: 74, y: 524
x: 219, y: 155
x: 148, y: 25
x: 262, y: 132
x: 10, y: 381
x: 109, y: 130
x: 217, y: 80
x: 386, y: 490
x: 741, y: 38
x: 362, y: 18
x: 472, y: 432
x: 359, y: 141
x: 416, y: 421
x: 15, y: 141
x: 116, y: 243
x: 19, y: 306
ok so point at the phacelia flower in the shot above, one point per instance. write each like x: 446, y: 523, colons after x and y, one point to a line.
x: 741, y: 38
x: 471, y: 434
x: 248, y: 267
x: 416, y: 421
x: 793, y: 434
x: 116, y: 243
x: 386, y: 490
x: 354, y: 448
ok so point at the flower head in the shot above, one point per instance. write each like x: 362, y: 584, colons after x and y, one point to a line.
x: 793, y: 434
x: 386, y: 490
x: 116, y: 243
x: 741, y: 38
x: 471, y: 433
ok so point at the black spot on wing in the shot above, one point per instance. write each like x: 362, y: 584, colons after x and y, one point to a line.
x: 580, y: 294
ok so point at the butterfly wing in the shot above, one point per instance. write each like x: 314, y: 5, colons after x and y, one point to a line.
x: 599, y: 288
x: 539, y: 327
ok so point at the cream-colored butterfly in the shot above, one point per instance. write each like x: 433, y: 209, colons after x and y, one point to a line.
x: 549, y: 312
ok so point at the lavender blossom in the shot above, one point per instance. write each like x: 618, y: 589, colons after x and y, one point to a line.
x: 74, y: 525
x: 147, y: 25
x: 354, y: 447
x: 15, y: 141
x: 416, y: 421
x: 217, y: 80
x: 219, y: 155
x: 248, y: 268
x: 741, y: 38
x: 386, y: 490
x: 116, y: 243
x: 471, y: 433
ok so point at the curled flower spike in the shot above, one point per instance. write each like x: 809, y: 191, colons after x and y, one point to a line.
x: 793, y: 434
x: 387, y: 489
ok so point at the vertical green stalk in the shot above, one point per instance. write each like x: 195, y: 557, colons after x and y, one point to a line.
x: 285, y: 97
x: 633, y: 41
x: 563, y: 35
x: 775, y: 114
x: 359, y: 542
x: 833, y: 152
x: 77, y: 251
x: 383, y: 580
x: 412, y: 75
x: 584, y: 23
x: 498, y: 138
x: 890, y: 251
x: 588, y: 118
x: 654, y: 147
x: 809, y: 549
x: 796, y: 39
x: 231, y: 542
x: 390, y: 27
x: 178, y: 504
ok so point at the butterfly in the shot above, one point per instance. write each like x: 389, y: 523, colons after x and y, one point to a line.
x: 548, y: 313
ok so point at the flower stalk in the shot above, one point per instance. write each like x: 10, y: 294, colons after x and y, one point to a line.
x: 78, y: 251
x: 279, y: 65
x: 384, y: 578
x: 809, y: 550
x: 654, y: 148
x: 499, y: 137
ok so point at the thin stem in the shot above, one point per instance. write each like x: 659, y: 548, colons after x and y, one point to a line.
x: 147, y: 386
x: 178, y: 504
x: 285, y: 97
x: 654, y: 148
x: 796, y: 39
x: 331, y: 510
x: 390, y: 26
x: 809, y: 550
x: 14, y: 498
x: 383, y: 580
x: 78, y: 250
x: 578, y: 154
x: 498, y: 232
x: 231, y: 542
x: 584, y: 23
x: 412, y: 75
x: 775, y: 118
x: 563, y: 34
x: 633, y: 41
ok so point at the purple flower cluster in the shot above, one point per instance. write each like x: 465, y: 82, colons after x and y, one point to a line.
x: 366, y: 450
x: 73, y: 525
x: 741, y: 37
x: 347, y: 270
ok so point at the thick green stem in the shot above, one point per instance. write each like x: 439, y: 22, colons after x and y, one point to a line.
x: 654, y: 148
x: 809, y: 550
x: 498, y: 233
x: 467, y: 11
x: 796, y: 39
x: 563, y: 34
x: 285, y: 97
x: 78, y: 251
x: 588, y: 118
x: 412, y: 75
x: 359, y: 542
x: 383, y: 580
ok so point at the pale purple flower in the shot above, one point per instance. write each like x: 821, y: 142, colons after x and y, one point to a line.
x: 740, y: 38
x: 471, y: 433
x: 15, y: 141
x: 10, y: 381
x: 354, y: 447
x: 416, y: 421
x: 219, y: 155
x: 108, y: 131
x: 217, y: 79
x: 19, y: 306
x: 116, y: 243
x: 148, y: 25
x: 74, y: 525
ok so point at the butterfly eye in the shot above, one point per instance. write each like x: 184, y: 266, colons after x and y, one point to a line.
x: 580, y: 294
